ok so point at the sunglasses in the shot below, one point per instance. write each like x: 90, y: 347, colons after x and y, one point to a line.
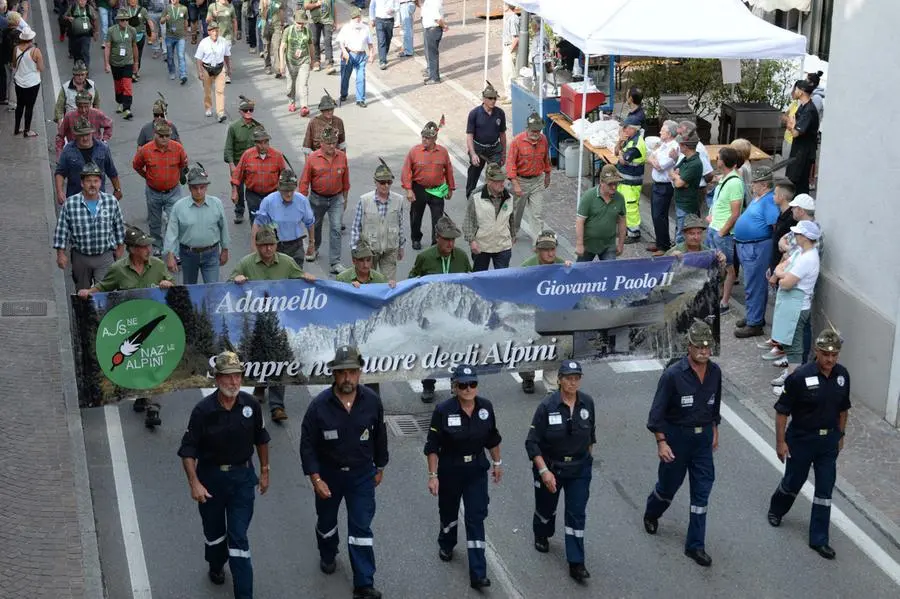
x: 384, y: 182
x: 248, y: 110
x: 472, y: 385
x: 161, y: 136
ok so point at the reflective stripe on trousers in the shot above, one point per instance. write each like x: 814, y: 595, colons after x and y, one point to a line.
x: 577, y: 492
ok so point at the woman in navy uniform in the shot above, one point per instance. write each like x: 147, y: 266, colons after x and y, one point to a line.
x: 685, y: 420
x: 216, y: 452
x: 462, y: 427
x: 816, y: 397
x: 559, y: 445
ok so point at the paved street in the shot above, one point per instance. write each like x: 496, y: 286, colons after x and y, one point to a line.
x: 148, y: 529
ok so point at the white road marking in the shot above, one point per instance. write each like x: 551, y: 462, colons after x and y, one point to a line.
x: 131, y: 531
x: 838, y: 517
x: 635, y: 366
x: 439, y: 385
x: 538, y: 376
x: 51, y: 51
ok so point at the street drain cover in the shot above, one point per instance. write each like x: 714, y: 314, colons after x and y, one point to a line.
x: 23, y: 308
x: 408, y: 425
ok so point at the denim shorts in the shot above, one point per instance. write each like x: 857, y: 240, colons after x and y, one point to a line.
x: 722, y: 244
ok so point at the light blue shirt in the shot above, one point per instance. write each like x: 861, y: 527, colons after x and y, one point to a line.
x: 291, y: 219
x: 197, y: 225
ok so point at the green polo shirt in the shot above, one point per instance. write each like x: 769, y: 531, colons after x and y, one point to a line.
x: 533, y: 261
x: 175, y: 23
x: 296, y: 39
x: 282, y: 267
x: 141, y: 13
x: 239, y: 139
x: 601, y: 220
x: 730, y: 189
x: 323, y: 14
x: 120, y: 40
x: 682, y: 248
x: 224, y: 16
x: 430, y: 262
x: 122, y: 275
x: 691, y: 172
x: 349, y: 276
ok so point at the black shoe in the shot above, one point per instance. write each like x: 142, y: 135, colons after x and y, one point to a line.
x: 741, y: 323
x: 745, y: 332
x: 366, y: 593
x: 216, y: 576
x: 824, y: 550
x: 528, y: 386
x: 343, y: 227
x: 773, y: 520
x: 327, y: 567
x: 427, y: 396
x: 238, y: 219
x: 140, y: 404
x: 342, y: 99
x: 445, y: 554
x: 651, y: 525
x: 431, y: 81
x: 278, y: 75
x: 480, y: 583
x: 629, y: 239
x: 152, y: 416
x: 579, y: 572
x: 542, y: 544
x: 699, y: 556
x: 183, y: 80
x: 417, y: 245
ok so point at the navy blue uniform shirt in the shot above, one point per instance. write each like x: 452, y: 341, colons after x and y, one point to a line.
x: 486, y: 128
x: 681, y: 399
x: 331, y: 437
x: 812, y: 400
x: 216, y: 436
x: 454, y: 434
x: 556, y: 433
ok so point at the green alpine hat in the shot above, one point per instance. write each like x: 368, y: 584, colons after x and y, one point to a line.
x: 79, y: 68
x: 535, y: 122
x: 347, y: 357
x: 495, y: 172
x: 329, y: 135
x: 446, y: 228
x: 692, y: 221
x: 546, y: 240
x: 362, y: 250
x: 90, y: 169
x: 137, y: 238
x: 83, y: 97
x: 162, y: 128
x: 383, y: 171
x: 700, y: 335
x: 430, y: 129
x: 228, y: 362
x: 355, y: 12
x: 266, y: 235
x: 829, y: 340
x: 260, y: 134
x: 82, y: 127
x: 327, y: 102
x: 489, y: 91
x: 246, y: 103
x: 287, y: 180
x: 197, y: 175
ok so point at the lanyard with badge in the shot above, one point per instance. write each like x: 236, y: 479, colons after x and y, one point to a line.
x: 445, y: 264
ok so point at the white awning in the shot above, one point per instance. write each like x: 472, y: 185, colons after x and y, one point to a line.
x: 770, y: 5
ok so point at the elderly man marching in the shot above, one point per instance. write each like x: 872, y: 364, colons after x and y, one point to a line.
x: 378, y: 223
x: 289, y: 212
x: 296, y: 54
x: 102, y: 124
x: 489, y: 226
x: 485, y: 136
x: 65, y: 100
x: 632, y: 154
x: 160, y: 107
x: 528, y: 169
x: 362, y: 273
x: 238, y: 140
x: 217, y: 456
x: 257, y: 171
x: 428, y: 180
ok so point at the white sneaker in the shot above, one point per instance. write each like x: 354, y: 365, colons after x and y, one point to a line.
x: 779, y: 381
x: 780, y: 363
x: 777, y: 391
x: 767, y: 344
x: 209, y: 113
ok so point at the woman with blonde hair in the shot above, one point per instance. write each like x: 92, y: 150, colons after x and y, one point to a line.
x: 744, y: 148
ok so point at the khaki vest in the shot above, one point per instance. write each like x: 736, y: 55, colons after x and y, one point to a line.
x: 381, y: 233
x: 493, y: 231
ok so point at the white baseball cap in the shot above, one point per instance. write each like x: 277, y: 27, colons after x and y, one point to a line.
x: 804, y: 201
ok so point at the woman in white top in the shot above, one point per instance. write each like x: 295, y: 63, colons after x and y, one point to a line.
x: 28, y: 62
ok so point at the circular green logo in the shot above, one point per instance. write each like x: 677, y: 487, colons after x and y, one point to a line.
x: 139, y: 343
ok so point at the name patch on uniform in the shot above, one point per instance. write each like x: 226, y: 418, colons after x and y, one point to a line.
x: 454, y: 420
x: 330, y: 435
x: 812, y: 381
x: 711, y: 401
x: 841, y: 380
x: 247, y: 411
x: 364, y: 436
x: 483, y: 414
x: 687, y: 401
x: 585, y: 414
x: 554, y: 418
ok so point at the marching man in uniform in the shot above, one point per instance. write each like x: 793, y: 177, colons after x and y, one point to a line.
x: 489, y: 226
x: 379, y: 223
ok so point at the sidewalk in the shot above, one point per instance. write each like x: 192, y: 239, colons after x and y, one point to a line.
x: 48, y: 545
x: 869, y: 465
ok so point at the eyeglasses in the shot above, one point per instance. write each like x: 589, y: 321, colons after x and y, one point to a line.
x: 472, y: 385
x: 161, y: 136
x: 385, y: 182
x: 250, y: 110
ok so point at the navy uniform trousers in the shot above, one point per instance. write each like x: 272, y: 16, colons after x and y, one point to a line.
x: 226, y: 517
x: 819, y: 449
x: 577, y: 488
x: 469, y: 484
x: 357, y: 487
x: 693, y: 451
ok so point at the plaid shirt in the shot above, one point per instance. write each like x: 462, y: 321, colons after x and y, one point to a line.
x: 258, y: 174
x: 428, y: 168
x: 103, y: 127
x: 356, y: 230
x: 90, y: 234
x: 326, y: 176
x: 527, y: 159
x: 161, y: 167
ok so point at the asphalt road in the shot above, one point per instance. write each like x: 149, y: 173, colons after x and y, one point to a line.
x: 151, y: 543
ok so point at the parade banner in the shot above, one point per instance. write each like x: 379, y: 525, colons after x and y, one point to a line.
x: 153, y: 341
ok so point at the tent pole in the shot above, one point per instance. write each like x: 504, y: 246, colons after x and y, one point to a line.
x: 487, y: 34
x: 587, y: 60
x: 541, y: 69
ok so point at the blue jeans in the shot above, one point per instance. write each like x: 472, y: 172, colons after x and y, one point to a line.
x: 433, y: 37
x: 384, y: 29
x: 407, y: 12
x: 157, y: 203
x: 106, y: 16
x: 679, y: 223
x: 724, y: 244
x: 482, y: 260
x: 174, y: 46
x: 357, y: 62
x: 710, y: 196
x: 660, y: 199
x: 607, y: 254
x: 755, y: 257
x: 334, y: 207
x: 193, y: 264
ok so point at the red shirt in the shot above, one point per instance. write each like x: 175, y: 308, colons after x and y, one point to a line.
x: 161, y: 167
x: 258, y: 174
x: 428, y: 168
x: 527, y: 159
x: 326, y: 176
x: 102, y: 124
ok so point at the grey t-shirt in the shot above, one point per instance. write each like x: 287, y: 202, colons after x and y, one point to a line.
x: 146, y: 134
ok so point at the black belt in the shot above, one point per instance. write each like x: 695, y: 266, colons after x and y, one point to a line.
x: 74, y: 251
x: 161, y: 190
x: 230, y: 467
x: 260, y: 193
x: 755, y: 240
x: 527, y: 176
x: 199, y: 250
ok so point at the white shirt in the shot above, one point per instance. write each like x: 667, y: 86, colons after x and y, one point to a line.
x: 355, y: 37
x: 384, y: 9
x: 666, y: 162
x: 432, y: 12
x: 213, y: 53
x: 805, y: 266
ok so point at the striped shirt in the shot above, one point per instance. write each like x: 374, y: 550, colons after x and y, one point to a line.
x: 102, y: 124
x: 527, y: 159
x: 428, y: 168
x: 91, y: 233
x: 161, y: 167
x: 259, y: 174
x: 325, y: 176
